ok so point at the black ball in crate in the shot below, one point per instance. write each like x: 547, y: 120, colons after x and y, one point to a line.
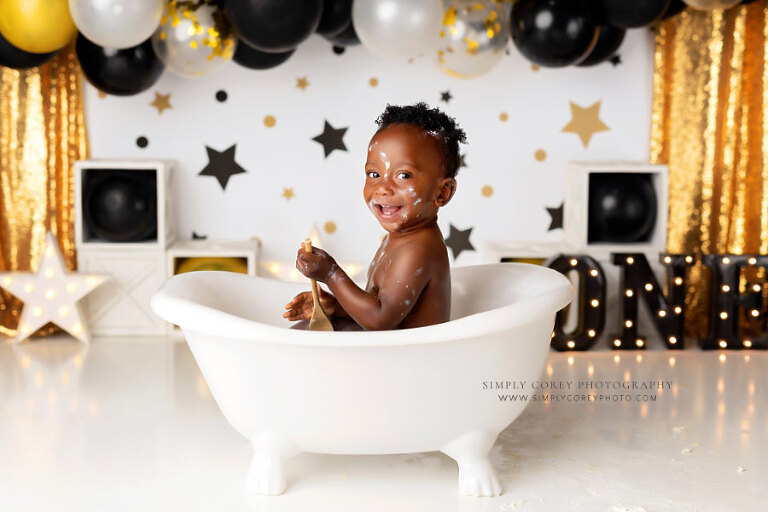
x: 122, y: 207
x: 622, y: 207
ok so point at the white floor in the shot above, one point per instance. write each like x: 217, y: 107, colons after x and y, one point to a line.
x: 129, y: 424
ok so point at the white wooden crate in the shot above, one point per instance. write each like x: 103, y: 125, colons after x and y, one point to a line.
x: 245, y: 249
x: 121, y: 306
x: 576, y: 207
x: 166, y: 225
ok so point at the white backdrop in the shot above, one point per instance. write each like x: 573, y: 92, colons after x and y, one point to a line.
x: 499, y: 153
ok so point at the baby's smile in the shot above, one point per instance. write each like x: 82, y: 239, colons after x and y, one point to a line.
x: 387, y: 211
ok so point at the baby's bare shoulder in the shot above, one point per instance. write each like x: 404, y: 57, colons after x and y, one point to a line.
x: 422, y: 248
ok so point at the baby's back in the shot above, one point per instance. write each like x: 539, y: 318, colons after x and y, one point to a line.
x: 427, y: 254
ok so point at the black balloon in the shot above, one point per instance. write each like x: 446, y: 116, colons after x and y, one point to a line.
x: 347, y: 37
x: 675, y: 7
x: 252, y: 58
x: 16, y: 58
x: 622, y: 207
x: 274, y: 25
x: 553, y: 33
x: 337, y: 14
x: 122, y: 206
x: 119, y: 72
x: 608, y: 42
x: 631, y: 13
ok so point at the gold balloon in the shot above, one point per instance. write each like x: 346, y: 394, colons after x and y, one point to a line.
x: 37, y: 26
x: 225, y: 264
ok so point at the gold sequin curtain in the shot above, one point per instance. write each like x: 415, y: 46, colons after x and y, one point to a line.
x: 709, y: 125
x: 42, y: 133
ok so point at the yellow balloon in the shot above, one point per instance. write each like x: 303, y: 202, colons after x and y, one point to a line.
x: 37, y: 26
x: 225, y: 264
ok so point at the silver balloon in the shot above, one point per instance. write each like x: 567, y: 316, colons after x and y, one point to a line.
x: 190, y: 42
x: 116, y: 23
x: 397, y: 28
x: 709, y: 5
x: 473, y: 38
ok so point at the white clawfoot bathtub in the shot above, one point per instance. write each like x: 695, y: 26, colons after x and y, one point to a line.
x: 373, y: 392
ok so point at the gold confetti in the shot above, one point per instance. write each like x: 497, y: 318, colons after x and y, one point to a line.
x: 373, y: 82
x: 269, y: 121
x: 330, y: 226
x: 302, y: 83
x: 534, y: 67
x: 487, y: 190
x: 102, y: 94
x: 503, y: 116
x: 288, y: 193
x: 450, y: 17
x: 540, y: 155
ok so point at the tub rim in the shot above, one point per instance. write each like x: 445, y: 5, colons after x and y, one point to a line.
x: 199, y: 317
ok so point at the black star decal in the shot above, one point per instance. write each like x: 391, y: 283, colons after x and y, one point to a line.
x: 459, y: 241
x: 331, y: 138
x: 557, y: 217
x: 222, y: 165
x: 615, y: 60
x: 446, y: 96
x: 462, y: 161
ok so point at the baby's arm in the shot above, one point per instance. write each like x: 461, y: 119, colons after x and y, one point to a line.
x: 399, y: 289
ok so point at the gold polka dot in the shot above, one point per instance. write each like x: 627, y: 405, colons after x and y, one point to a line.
x: 540, y: 155
x: 487, y: 190
x: 269, y: 121
x: 503, y: 116
x: 330, y: 226
x: 373, y: 82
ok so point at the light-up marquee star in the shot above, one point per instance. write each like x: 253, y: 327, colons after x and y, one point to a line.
x: 51, y: 294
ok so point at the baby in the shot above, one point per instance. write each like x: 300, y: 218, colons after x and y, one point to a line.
x: 412, y: 160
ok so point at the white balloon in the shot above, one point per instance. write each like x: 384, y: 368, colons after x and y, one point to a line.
x: 709, y: 5
x: 398, y: 28
x: 116, y: 23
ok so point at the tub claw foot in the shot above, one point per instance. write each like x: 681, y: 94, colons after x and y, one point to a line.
x: 266, y: 476
x: 476, y: 474
x: 477, y: 478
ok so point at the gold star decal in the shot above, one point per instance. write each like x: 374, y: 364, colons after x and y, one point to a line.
x: 585, y: 122
x: 161, y: 102
x: 287, y: 193
x: 302, y: 83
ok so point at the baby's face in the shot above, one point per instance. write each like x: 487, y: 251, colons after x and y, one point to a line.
x: 405, y: 184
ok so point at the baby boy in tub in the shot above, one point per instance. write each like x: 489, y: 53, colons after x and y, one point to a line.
x: 412, y: 160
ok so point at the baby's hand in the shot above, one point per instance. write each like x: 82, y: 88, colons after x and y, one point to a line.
x: 317, y: 265
x: 301, y: 305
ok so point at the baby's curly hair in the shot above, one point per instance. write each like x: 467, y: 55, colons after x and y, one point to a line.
x: 431, y: 120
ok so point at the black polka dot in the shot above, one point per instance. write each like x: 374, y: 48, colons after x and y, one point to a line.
x: 221, y: 96
x: 338, y: 50
x: 142, y: 142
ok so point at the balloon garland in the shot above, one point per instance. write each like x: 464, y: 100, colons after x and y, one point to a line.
x: 124, y: 45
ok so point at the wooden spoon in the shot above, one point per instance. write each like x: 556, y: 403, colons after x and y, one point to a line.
x: 319, y: 321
